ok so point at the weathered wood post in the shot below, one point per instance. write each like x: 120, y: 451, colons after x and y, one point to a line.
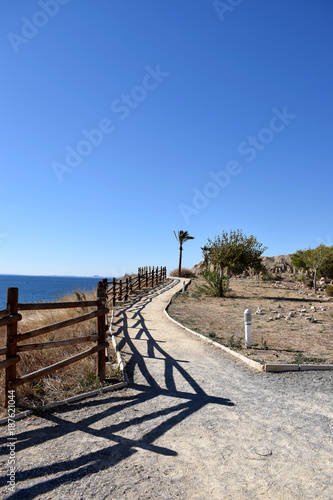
x: 114, y: 292
x: 130, y: 285
x: 146, y: 278
x: 120, y: 296
x: 126, y: 289
x: 12, y: 301
x: 139, y: 281
x: 101, y: 331
x: 152, y: 277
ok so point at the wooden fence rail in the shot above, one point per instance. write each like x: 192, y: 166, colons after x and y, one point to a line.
x: 107, y: 292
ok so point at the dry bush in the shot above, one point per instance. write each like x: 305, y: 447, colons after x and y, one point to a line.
x: 63, y: 383
x: 185, y: 273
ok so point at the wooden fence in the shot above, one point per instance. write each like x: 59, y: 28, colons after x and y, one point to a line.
x: 107, y: 292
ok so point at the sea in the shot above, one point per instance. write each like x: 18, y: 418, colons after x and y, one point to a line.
x: 44, y: 288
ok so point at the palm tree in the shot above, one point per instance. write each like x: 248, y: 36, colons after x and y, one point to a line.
x: 181, y: 237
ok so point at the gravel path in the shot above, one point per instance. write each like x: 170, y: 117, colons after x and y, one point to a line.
x: 194, y: 424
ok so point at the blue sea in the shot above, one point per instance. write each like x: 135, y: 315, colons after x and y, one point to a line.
x: 43, y: 288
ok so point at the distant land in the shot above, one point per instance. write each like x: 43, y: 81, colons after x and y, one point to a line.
x: 54, y: 275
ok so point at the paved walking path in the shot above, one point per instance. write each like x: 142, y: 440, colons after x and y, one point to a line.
x: 194, y: 424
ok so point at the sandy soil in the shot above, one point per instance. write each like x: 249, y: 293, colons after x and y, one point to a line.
x: 273, y: 341
x: 194, y: 424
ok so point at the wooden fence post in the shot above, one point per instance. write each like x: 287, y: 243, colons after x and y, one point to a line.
x: 126, y: 289
x: 101, y: 331
x: 152, y: 277
x: 139, y: 281
x: 12, y: 301
x: 120, y: 296
x: 114, y: 292
x: 146, y: 278
x: 130, y: 285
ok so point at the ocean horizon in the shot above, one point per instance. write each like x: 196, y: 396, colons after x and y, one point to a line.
x: 43, y: 288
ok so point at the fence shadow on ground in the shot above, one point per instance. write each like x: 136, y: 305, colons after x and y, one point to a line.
x: 57, y: 425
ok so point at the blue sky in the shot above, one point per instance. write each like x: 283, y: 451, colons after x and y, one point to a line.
x: 124, y: 120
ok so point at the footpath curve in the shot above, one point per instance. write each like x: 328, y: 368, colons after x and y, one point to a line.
x: 195, y: 423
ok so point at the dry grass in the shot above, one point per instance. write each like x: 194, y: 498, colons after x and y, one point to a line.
x: 69, y: 381
x: 273, y: 341
x: 184, y: 273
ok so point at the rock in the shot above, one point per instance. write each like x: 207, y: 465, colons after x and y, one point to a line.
x: 279, y: 264
x: 313, y: 308
x: 313, y: 320
x: 270, y: 318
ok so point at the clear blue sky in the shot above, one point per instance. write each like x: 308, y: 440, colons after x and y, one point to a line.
x: 123, y: 120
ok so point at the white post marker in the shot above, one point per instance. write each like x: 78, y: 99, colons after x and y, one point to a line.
x: 183, y: 286
x: 248, y: 322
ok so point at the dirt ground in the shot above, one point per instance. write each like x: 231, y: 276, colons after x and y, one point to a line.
x: 274, y: 340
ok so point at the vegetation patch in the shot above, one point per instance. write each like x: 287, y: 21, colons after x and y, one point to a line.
x: 291, y: 326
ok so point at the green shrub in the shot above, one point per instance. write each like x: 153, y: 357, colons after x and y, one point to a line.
x: 216, y: 285
x: 267, y: 277
x: 329, y: 290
